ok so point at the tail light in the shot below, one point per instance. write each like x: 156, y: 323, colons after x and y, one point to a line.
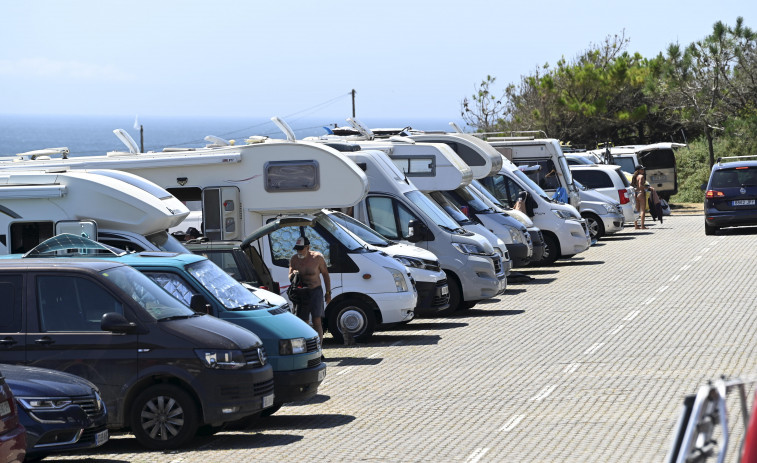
x: 714, y: 194
x: 623, y: 196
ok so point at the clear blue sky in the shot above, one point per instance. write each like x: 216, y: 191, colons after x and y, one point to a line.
x: 264, y: 58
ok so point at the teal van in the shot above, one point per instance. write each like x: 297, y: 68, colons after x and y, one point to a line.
x: 292, y: 346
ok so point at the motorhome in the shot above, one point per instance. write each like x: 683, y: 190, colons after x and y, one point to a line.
x: 658, y: 159
x: 553, y: 174
x: 239, y: 189
x: 115, y: 207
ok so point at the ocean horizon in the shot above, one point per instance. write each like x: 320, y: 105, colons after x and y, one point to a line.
x: 93, y: 135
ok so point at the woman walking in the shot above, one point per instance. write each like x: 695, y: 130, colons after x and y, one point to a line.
x: 639, y: 181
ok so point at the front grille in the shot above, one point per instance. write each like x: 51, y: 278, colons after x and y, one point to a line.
x: 253, y: 358
x: 89, y: 434
x: 497, y: 264
x: 440, y: 299
x: 89, y: 405
x: 312, y: 344
x: 278, y: 310
x: 314, y: 362
x: 412, y: 282
x: 432, y: 265
x: 264, y: 388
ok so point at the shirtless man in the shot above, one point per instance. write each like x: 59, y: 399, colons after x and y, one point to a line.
x: 311, y: 265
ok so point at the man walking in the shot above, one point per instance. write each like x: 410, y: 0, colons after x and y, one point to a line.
x: 311, y: 265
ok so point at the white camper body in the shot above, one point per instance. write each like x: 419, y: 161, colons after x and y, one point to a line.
x: 114, y: 207
x: 241, y: 188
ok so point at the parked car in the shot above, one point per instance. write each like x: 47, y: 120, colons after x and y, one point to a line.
x: 730, y: 194
x: 61, y: 412
x: 12, y: 432
x: 603, y: 214
x: 608, y: 180
x: 162, y: 369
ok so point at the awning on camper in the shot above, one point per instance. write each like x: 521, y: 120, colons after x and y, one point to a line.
x: 289, y: 221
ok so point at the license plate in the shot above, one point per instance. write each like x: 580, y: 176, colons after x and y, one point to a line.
x: 658, y: 178
x: 101, y: 437
x: 268, y: 401
x: 321, y: 374
x: 445, y: 290
x: 5, y: 408
x: 743, y: 202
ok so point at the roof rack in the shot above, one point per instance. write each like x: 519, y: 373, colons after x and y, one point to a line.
x: 514, y: 135
x: 721, y: 160
x: 44, y: 154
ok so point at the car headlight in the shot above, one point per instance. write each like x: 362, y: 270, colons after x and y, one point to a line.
x: 467, y: 248
x: 33, y: 404
x: 609, y: 207
x: 562, y: 214
x: 499, y: 251
x: 515, y: 235
x: 221, y: 359
x: 410, y: 262
x: 292, y: 346
x: 399, y: 280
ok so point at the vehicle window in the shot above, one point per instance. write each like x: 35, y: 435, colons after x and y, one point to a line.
x: 282, y: 242
x: 381, y: 216
x: 730, y: 178
x: 151, y: 297
x: 405, y: 216
x: 227, y: 290
x: 657, y: 159
x: 165, y: 242
x: 499, y: 186
x: 360, y: 229
x: 10, y: 309
x: 72, y: 303
x: 431, y: 209
x: 227, y: 262
x: 127, y: 246
x: 24, y: 236
x: 545, y: 176
x: 593, y: 178
x: 174, y: 284
x: 625, y: 163
x: 450, y: 207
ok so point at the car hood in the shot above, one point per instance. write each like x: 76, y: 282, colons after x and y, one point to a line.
x: 27, y: 381
x: 210, y: 332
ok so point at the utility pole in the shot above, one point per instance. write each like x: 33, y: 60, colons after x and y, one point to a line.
x: 353, y: 102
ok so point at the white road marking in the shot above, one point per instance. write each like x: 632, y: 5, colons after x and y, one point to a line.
x: 373, y: 356
x: 544, y: 393
x: 685, y: 267
x: 571, y: 368
x: 476, y: 455
x: 649, y: 301
x: 344, y: 371
x: 512, y: 423
x: 662, y: 288
x: 594, y: 348
x: 616, y: 330
x: 696, y: 258
x: 714, y: 243
x: 705, y: 249
x: 675, y: 277
x: 421, y: 332
x: 631, y: 315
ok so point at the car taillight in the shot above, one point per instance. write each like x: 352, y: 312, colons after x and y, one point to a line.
x: 714, y: 194
x: 623, y: 196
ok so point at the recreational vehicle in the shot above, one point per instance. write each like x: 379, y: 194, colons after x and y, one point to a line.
x: 239, y: 189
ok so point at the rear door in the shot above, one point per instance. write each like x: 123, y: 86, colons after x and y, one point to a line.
x: 12, y: 338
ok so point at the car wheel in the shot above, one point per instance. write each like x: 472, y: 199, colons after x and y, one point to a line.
x: 710, y: 230
x: 271, y: 410
x: 596, y: 227
x: 164, y: 417
x: 353, y: 317
x: 551, y: 250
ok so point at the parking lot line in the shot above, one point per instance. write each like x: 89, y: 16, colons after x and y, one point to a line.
x: 616, y: 330
x: 705, y: 250
x: 512, y: 423
x: 696, y: 258
x: 675, y: 277
x: 685, y: 267
x: 662, y: 289
x: 477, y: 454
x: 544, y: 393
x: 649, y: 301
x: 344, y: 371
x: 593, y: 348
x: 631, y: 315
x: 571, y: 368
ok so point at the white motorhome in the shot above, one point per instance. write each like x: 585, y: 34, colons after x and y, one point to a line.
x: 115, y: 207
x: 553, y: 173
x: 242, y: 188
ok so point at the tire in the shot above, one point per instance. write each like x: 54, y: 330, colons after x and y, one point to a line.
x: 271, y: 410
x: 709, y: 230
x: 354, y: 315
x: 467, y: 305
x: 551, y: 250
x: 173, y: 407
x: 596, y: 227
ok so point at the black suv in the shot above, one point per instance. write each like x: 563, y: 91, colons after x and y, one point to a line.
x: 730, y: 195
x: 162, y: 369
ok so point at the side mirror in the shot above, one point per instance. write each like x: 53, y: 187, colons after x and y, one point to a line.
x: 117, y: 323
x: 416, y: 231
x: 199, y: 304
x: 703, y: 187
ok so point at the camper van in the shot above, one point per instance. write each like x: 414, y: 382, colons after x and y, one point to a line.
x: 119, y: 208
x: 239, y: 189
x: 658, y: 159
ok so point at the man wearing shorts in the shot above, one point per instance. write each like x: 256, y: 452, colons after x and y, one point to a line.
x: 311, y: 265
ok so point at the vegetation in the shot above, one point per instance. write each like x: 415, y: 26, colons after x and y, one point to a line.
x: 703, y: 94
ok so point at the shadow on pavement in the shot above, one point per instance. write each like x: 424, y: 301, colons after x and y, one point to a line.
x: 351, y: 361
x: 384, y: 338
x: 316, y: 399
x: 540, y: 272
x: 572, y: 263
x: 624, y: 237
x: 426, y: 324
x: 515, y: 291
x: 315, y: 421
x: 486, y: 313
x: 541, y: 281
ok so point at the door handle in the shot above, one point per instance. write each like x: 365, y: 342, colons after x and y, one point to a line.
x: 44, y: 340
x: 8, y: 341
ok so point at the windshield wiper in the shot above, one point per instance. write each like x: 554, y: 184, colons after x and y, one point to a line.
x: 248, y: 307
x: 178, y: 317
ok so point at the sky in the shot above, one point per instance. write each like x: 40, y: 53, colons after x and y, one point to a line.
x: 227, y: 58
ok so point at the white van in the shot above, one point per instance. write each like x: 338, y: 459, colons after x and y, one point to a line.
x: 565, y: 232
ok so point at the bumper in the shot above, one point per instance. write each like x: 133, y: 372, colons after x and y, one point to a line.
x: 613, y: 223
x: 716, y: 218
x: 230, y: 395
x: 297, y: 385
x: 479, y: 280
x: 576, y: 240
x: 519, y: 254
x: 67, y: 429
x: 432, y: 297
x: 395, y: 307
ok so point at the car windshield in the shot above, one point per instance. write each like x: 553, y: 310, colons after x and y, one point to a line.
x: 533, y: 186
x: 226, y: 289
x: 349, y: 240
x: 449, y: 207
x: 734, y: 177
x: 363, y: 231
x: 165, y: 242
x: 432, y: 210
x: 486, y: 195
x: 468, y: 195
x: 579, y: 185
x: 154, y: 299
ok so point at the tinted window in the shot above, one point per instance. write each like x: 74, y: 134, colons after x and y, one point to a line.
x: 10, y: 308
x: 658, y: 159
x: 593, y: 178
x: 71, y: 303
x: 730, y: 178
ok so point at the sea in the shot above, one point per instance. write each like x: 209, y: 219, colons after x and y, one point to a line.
x: 93, y: 135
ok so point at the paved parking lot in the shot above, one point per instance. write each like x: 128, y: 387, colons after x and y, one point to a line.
x: 589, y: 361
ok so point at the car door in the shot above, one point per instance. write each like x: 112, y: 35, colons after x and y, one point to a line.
x: 64, y: 332
x: 12, y: 338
